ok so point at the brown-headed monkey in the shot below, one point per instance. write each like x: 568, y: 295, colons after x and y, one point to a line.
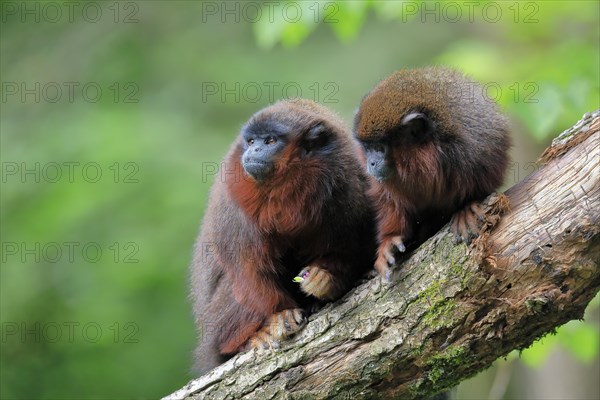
x: 291, y: 206
x: 434, y: 146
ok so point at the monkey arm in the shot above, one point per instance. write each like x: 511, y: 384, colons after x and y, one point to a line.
x: 260, y: 292
x: 251, y: 308
x: 393, y: 229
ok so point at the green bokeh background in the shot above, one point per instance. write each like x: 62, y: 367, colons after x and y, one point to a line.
x: 118, y: 324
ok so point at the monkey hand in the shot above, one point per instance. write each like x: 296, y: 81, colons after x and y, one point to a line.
x: 278, y: 326
x: 318, y: 282
x: 386, y: 255
x: 466, y: 223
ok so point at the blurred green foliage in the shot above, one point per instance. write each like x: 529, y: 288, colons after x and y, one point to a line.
x: 118, y: 325
x: 580, y: 339
x: 562, y: 31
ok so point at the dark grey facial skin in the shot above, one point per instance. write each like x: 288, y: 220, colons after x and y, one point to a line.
x: 257, y: 160
x: 415, y: 128
x: 378, y: 163
x: 264, y: 140
x: 261, y: 146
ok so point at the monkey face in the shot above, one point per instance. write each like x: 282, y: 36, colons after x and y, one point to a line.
x: 273, y: 142
x: 414, y: 129
x: 262, y: 144
x: 379, y: 163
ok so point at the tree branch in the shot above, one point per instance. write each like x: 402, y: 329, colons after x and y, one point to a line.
x: 452, y: 310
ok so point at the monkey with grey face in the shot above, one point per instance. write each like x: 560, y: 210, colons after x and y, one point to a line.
x: 292, y: 227
x: 434, y: 147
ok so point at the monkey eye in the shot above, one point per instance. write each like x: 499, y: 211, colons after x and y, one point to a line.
x: 374, y: 146
x: 250, y: 141
x: 270, y: 140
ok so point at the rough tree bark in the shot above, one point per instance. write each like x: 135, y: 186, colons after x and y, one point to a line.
x: 451, y: 310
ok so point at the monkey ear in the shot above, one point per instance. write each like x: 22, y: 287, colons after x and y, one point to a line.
x: 316, y: 137
x: 316, y: 131
x: 417, y: 124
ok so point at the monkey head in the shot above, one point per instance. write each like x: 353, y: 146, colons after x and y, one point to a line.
x: 405, y: 127
x: 284, y: 137
x: 413, y: 129
x: 432, y: 137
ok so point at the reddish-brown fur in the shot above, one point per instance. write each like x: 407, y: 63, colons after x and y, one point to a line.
x: 462, y: 158
x: 312, y: 211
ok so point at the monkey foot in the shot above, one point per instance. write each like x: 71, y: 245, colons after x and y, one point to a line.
x: 387, y: 253
x: 466, y: 223
x: 279, y: 326
x: 318, y: 282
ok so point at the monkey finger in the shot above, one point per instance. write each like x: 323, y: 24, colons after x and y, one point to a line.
x: 389, y: 256
x: 318, y: 283
x: 261, y: 341
x: 298, y: 316
x: 389, y: 247
x: 468, y: 239
x: 460, y: 227
x: 382, y: 268
x: 478, y: 211
x: 457, y: 227
x: 279, y: 326
x: 269, y: 344
x: 285, y: 323
x: 474, y: 227
x: 397, y: 241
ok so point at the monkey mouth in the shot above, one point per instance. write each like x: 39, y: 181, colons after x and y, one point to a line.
x: 379, y: 170
x: 255, y: 164
x: 258, y: 170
